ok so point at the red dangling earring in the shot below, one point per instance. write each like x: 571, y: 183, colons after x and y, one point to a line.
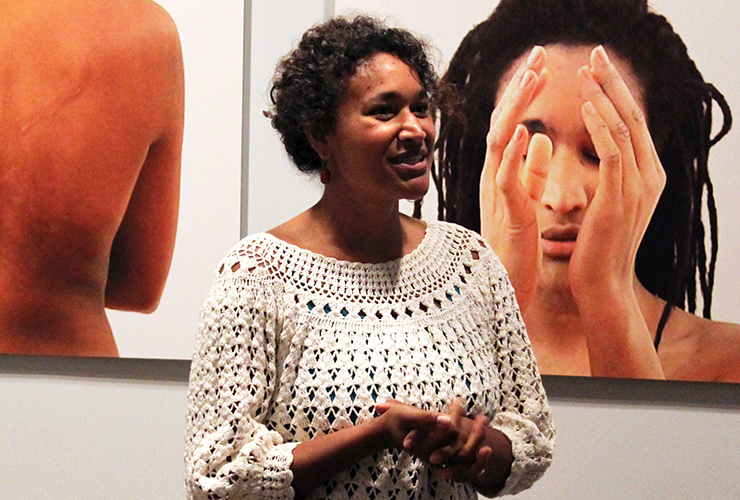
x: 325, y: 176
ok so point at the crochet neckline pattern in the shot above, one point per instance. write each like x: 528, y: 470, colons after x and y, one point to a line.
x: 431, y: 234
x: 410, y: 277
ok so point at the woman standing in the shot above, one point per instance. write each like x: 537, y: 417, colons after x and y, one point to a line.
x: 354, y: 352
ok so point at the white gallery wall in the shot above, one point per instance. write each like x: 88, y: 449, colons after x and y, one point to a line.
x: 80, y: 428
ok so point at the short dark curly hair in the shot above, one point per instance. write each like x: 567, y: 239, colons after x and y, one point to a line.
x: 672, y: 259
x: 310, y: 81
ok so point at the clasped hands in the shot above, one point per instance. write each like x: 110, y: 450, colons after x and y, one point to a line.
x: 456, y: 443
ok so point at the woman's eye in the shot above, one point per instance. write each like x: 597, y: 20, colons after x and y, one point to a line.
x: 421, y: 110
x: 591, y: 158
x: 383, y: 112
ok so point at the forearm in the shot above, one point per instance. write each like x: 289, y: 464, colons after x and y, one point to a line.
x: 618, y: 339
x: 319, y: 459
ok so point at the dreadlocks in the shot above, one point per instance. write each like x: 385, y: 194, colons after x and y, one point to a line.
x: 672, y: 259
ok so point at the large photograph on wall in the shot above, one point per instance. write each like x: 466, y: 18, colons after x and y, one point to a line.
x: 120, y: 176
x: 593, y: 303
x: 615, y: 272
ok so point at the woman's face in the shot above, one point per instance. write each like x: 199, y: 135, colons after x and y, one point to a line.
x: 574, y: 168
x: 381, y: 147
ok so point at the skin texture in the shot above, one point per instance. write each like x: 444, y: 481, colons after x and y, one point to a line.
x: 379, y: 153
x: 91, y: 93
x: 570, y: 183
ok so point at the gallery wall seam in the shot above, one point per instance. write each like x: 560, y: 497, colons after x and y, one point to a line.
x: 128, y: 369
x: 246, y: 95
x: 585, y: 390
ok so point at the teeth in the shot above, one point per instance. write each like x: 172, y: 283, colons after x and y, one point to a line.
x: 411, y: 160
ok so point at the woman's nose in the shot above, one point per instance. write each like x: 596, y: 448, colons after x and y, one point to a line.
x: 412, y: 127
x: 565, y: 188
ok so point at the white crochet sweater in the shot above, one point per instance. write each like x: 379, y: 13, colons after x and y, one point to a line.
x: 292, y: 344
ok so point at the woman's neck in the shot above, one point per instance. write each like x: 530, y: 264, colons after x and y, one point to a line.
x: 355, y: 233
x: 555, y: 328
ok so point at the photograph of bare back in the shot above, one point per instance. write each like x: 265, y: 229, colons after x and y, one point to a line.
x: 92, y: 103
x: 92, y: 99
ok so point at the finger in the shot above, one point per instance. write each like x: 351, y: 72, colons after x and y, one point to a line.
x: 610, y: 156
x: 621, y: 134
x: 412, y: 439
x: 481, y: 461
x: 507, y: 181
x: 628, y: 107
x: 456, y: 413
x: 475, y: 438
x: 535, y: 63
x: 468, y: 473
x: 443, y: 455
x: 408, y: 417
x: 431, y: 440
x: 527, y: 79
x: 427, y: 420
x: 381, y: 408
x: 537, y: 166
x: 625, y: 104
x: 443, y: 422
x: 478, y: 468
x: 508, y: 173
x: 519, y: 182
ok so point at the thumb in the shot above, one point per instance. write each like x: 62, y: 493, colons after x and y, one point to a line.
x: 381, y: 408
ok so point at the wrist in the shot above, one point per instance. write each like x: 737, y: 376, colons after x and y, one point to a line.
x: 379, y: 432
x: 604, y: 298
x: 499, y: 463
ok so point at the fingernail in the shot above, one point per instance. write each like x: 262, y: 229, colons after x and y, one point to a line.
x: 444, y: 419
x: 534, y: 55
x: 601, y: 53
x: 527, y: 78
x: 518, y: 133
x: 589, y: 108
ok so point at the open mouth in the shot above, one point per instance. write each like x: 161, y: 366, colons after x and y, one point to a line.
x: 410, y: 166
x: 409, y: 159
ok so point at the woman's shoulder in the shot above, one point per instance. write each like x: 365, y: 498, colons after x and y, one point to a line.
x: 252, y: 256
x: 469, y: 244
x: 460, y: 235
x: 701, y: 349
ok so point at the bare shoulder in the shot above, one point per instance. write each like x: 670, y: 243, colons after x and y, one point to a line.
x: 151, y: 24
x: 65, y: 44
x: 700, y: 349
x: 80, y: 17
x: 135, y: 29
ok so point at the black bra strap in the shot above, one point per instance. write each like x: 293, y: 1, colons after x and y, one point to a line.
x: 661, y: 324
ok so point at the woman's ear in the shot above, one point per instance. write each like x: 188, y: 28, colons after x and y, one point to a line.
x: 319, y: 143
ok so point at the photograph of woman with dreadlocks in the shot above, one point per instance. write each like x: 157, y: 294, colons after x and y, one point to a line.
x: 579, y: 149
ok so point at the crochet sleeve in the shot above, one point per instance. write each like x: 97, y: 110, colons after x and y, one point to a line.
x: 524, y: 414
x: 229, y: 453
